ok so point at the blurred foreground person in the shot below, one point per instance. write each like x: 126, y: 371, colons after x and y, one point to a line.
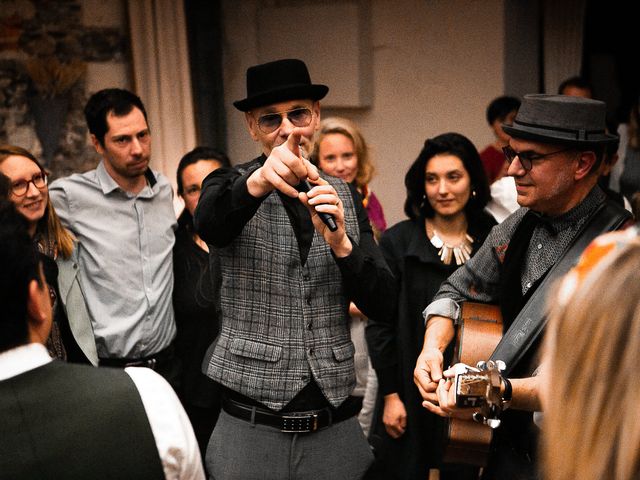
x: 590, y: 428
x: 60, y: 420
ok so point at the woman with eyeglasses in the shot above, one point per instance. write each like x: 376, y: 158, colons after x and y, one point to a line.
x: 27, y: 190
x: 195, y: 313
x: 447, y: 191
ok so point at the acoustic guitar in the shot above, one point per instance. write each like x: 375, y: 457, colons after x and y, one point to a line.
x: 478, y: 333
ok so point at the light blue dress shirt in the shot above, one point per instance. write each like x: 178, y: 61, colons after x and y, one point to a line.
x: 125, y: 258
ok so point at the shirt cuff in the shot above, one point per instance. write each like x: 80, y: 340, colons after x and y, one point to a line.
x: 240, y: 193
x: 387, y: 380
x: 443, y: 307
x: 352, y: 262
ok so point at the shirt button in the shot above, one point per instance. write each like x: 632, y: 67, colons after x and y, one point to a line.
x: 308, y: 300
x: 311, y: 352
x: 309, y: 326
x: 539, y: 246
x: 528, y: 284
x: 306, y: 277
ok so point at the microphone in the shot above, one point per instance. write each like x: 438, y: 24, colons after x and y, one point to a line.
x: 327, y: 218
x: 305, y: 186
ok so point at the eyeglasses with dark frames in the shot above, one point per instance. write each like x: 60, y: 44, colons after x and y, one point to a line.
x: 299, y: 117
x: 21, y: 187
x: 527, y: 158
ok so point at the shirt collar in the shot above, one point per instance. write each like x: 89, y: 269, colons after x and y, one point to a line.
x: 21, y: 359
x: 569, y: 219
x: 108, y: 184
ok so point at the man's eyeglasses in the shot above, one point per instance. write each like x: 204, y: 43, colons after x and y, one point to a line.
x: 299, y: 117
x: 21, y: 187
x: 527, y: 158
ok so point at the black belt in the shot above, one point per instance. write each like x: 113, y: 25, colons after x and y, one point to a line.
x: 290, y: 422
x: 152, y: 361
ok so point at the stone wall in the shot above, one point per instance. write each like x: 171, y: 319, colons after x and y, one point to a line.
x: 52, y: 37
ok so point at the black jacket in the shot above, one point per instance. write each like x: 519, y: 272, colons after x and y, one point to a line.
x: 394, y: 345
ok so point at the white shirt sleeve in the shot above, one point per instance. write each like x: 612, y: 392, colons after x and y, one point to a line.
x: 170, y: 425
x: 504, y: 198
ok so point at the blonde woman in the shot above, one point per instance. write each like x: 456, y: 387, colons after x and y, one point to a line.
x: 591, y: 427
x: 28, y: 191
x: 341, y: 151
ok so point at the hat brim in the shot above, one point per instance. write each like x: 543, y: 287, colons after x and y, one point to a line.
x: 287, y: 92
x: 545, y: 135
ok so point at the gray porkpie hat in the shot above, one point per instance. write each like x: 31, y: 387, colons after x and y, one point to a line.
x: 561, y: 119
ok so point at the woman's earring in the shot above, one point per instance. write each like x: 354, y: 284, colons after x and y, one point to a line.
x: 473, y: 193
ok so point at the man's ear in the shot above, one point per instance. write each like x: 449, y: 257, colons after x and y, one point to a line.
x: 252, y: 125
x: 586, y: 160
x: 39, y: 313
x: 316, y: 113
x: 33, y: 305
x: 96, y: 144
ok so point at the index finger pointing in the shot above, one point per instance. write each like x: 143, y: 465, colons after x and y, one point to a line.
x: 293, y: 142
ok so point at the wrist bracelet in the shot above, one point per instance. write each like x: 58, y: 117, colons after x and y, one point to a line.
x: 507, y: 395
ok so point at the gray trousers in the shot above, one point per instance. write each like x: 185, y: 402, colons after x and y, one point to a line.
x: 239, y: 450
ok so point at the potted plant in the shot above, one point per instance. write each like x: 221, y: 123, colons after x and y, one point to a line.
x: 52, y: 81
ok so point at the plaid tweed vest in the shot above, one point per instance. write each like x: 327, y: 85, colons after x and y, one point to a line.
x: 283, y: 322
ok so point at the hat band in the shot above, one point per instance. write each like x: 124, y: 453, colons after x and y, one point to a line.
x: 580, y: 135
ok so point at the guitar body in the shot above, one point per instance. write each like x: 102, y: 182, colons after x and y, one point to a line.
x: 477, y: 336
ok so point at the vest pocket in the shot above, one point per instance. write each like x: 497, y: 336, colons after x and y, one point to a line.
x: 344, y: 352
x: 255, y: 350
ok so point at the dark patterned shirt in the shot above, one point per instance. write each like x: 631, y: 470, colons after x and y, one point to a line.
x: 479, y: 279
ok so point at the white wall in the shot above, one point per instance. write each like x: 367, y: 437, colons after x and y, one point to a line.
x: 436, y: 66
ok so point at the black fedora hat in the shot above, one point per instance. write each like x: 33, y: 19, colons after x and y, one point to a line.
x: 278, y: 81
x: 561, y: 119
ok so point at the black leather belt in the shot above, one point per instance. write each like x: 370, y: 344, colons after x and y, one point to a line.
x: 290, y: 422
x: 151, y: 361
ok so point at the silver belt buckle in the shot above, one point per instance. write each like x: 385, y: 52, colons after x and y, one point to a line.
x: 299, y: 423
